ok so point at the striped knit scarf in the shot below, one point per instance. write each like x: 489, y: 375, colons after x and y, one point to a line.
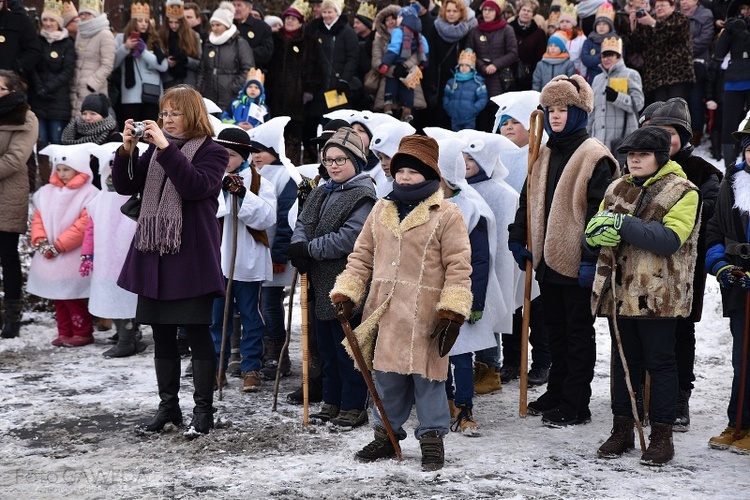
x: 160, y: 222
x: 406, y: 44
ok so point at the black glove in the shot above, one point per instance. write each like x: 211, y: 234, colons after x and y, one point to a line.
x: 234, y: 184
x: 342, y: 87
x: 446, y: 332
x: 400, y: 71
x: 299, y: 256
x: 611, y: 94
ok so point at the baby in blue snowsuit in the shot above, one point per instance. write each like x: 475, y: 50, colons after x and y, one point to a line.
x: 241, y: 111
x: 465, y: 94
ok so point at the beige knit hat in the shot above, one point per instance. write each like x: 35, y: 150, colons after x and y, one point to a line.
x: 348, y: 140
x: 568, y: 91
x: 224, y: 14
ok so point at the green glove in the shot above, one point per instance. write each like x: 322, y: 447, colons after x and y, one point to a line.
x: 605, y: 219
x: 603, y: 237
x: 474, y: 317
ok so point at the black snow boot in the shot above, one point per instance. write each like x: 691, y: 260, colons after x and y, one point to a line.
x: 168, y: 381
x: 271, y: 360
x: 621, y: 440
x: 12, y: 318
x: 433, y: 453
x: 204, y: 376
x: 127, y: 344
x: 682, y: 422
x: 378, y: 448
x: 661, y: 448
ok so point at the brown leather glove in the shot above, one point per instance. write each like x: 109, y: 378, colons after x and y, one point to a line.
x: 447, y: 331
x: 343, y: 306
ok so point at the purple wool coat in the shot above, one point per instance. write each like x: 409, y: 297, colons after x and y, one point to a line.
x: 195, y: 270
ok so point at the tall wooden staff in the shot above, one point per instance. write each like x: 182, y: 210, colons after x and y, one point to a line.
x: 536, y: 126
x: 743, y: 368
x: 305, y: 351
x: 285, y: 347
x: 228, y: 296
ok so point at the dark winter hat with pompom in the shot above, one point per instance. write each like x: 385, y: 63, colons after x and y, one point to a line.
x: 98, y: 103
x: 648, y: 139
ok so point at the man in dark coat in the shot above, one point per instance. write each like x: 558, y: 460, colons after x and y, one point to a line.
x: 255, y: 32
x: 20, y: 48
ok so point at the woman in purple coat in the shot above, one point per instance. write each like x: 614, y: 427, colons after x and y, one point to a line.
x: 173, y: 262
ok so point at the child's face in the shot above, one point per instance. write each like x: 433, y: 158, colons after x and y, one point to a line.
x: 675, y: 143
x: 252, y: 91
x: 642, y: 164
x: 235, y: 160
x: 390, y: 22
x: 472, y: 168
x: 513, y: 130
x: 399, y: 19
x: 407, y: 176
x: 362, y: 133
x: 142, y: 24
x: 385, y: 164
x: 262, y: 159
x: 339, y: 173
x: 488, y: 14
x: 553, y: 50
x: 603, y: 28
x: 566, y: 25
x: 91, y: 116
x: 65, y: 173
x: 551, y: 29
x: 558, y: 117
x: 464, y: 68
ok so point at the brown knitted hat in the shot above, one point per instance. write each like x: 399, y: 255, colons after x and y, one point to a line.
x: 568, y: 91
x: 421, y: 148
x: 347, y: 139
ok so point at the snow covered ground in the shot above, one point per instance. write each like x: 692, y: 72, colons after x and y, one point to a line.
x: 67, y: 419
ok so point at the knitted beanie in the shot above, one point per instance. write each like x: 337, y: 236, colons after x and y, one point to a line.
x: 648, y: 139
x: 420, y: 153
x: 224, y: 14
x: 349, y: 141
x: 558, y: 38
x: 235, y: 139
x: 98, y: 103
x: 568, y: 91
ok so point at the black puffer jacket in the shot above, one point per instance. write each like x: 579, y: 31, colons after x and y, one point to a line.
x: 338, y: 52
x: 735, y: 40
x: 51, y: 79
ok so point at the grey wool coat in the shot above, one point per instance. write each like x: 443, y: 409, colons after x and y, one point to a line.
x: 610, y: 121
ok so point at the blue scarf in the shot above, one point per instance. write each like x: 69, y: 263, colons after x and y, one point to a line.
x: 577, y: 119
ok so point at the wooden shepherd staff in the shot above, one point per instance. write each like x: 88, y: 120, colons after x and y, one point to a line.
x: 305, y: 351
x: 228, y: 296
x: 285, y: 347
x: 536, y: 126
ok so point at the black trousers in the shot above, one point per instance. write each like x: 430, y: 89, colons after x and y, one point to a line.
x: 648, y: 343
x: 572, y: 341
x: 11, y: 265
x: 684, y: 350
x: 538, y: 338
x: 199, y: 336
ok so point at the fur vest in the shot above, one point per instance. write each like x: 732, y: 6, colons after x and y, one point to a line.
x: 647, y: 285
x: 559, y: 233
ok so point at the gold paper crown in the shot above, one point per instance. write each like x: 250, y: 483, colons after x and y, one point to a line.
x: 302, y: 7
x: 69, y: 9
x: 142, y: 10
x: 367, y: 10
x: 569, y: 9
x: 553, y: 19
x: 412, y: 79
x: 256, y: 74
x: 606, y: 10
x: 175, y: 9
x: 468, y: 56
x: 92, y: 5
x: 54, y: 7
x: 612, y: 44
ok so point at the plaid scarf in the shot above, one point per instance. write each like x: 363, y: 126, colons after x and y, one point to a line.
x: 160, y: 222
x: 406, y: 44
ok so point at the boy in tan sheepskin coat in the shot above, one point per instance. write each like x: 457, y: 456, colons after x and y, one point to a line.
x: 414, y: 253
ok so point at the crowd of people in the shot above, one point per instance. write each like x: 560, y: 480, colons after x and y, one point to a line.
x: 387, y: 160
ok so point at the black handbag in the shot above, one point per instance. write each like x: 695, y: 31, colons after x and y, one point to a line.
x: 132, y: 208
x: 507, y: 79
x: 150, y: 92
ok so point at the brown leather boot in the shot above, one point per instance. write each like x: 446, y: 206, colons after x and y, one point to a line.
x: 661, y: 448
x: 621, y: 440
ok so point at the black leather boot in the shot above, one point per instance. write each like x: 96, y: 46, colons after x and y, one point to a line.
x: 168, y: 381
x: 127, y: 344
x: 12, y: 319
x: 204, y: 376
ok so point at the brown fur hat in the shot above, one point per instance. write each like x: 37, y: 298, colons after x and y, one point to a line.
x: 568, y: 91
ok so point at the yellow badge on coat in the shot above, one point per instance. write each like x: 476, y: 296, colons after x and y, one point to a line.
x: 211, y: 54
x: 250, y: 34
x: 295, y: 48
x: 483, y: 38
x: 593, y: 52
x: 54, y: 55
x: 2, y: 39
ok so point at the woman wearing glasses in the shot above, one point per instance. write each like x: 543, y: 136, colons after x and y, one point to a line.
x: 332, y: 218
x: 173, y: 262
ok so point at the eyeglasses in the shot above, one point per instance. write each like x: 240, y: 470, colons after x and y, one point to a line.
x: 172, y: 115
x: 327, y: 162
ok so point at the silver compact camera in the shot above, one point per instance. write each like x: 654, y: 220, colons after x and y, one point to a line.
x: 138, y: 129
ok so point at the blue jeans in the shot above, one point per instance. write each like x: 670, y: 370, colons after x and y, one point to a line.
x: 737, y: 327
x: 51, y: 131
x: 491, y: 355
x: 246, y: 298
x: 394, y: 88
x: 343, y: 385
x: 399, y: 393
x: 463, y: 374
x: 272, y: 304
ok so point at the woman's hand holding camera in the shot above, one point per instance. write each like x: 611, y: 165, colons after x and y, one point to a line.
x: 148, y: 130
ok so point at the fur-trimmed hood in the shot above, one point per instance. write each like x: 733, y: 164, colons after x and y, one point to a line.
x: 16, y: 116
x: 380, y: 20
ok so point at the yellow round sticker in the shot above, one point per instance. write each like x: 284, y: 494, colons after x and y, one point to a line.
x: 483, y: 38
x: 250, y: 34
x: 593, y: 51
x: 53, y: 55
x: 2, y: 39
x: 295, y: 48
x: 211, y: 54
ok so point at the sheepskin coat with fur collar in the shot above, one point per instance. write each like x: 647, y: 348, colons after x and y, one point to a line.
x: 415, y: 267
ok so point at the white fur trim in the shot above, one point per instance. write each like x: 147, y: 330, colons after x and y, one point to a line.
x: 741, y: 189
